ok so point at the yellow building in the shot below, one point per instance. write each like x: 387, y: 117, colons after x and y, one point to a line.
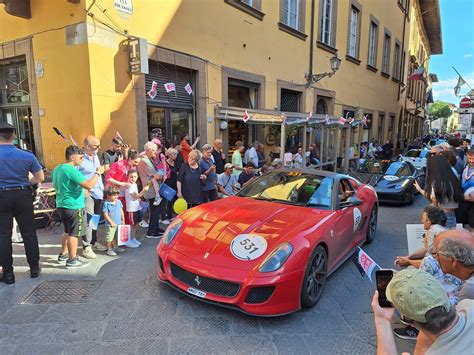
x: 66, y: 64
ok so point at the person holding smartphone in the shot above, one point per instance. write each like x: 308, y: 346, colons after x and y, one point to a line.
x: 424, y: 303
x: 208, y: 168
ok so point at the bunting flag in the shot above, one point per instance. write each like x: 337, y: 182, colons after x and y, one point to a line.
x: 309, y: 116
x: 154, y: 90
x: 327, y: 119
x: 118, y: 136
x: 341, y: 120
x: 59, y: 133
x: 460, y: 83
x: 169, y: 87
x: 246, y: 116
x: 188, y: 89
x: 350, y: 120
x: 73, y: 141
x: 364, y: 263
x: 417, y: 74
x: 364, y: 120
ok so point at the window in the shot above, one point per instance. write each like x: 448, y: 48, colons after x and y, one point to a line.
x: 248, y: 2
x: 290, y: 100
x: 290, y: 13
x: 354, y: 32
x: 321, y: 107
x: 373, y: 34
x: 396, y: 59
x: 402, y: 72
x: 251, y: 7
x: 386, y: 54
x: 326, y: 22
x: 242, y: 93
x: 381, y: 128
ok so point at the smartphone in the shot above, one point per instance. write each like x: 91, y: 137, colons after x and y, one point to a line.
x: 382, y: 278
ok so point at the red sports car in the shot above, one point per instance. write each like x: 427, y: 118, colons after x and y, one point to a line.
x: 268, y: 250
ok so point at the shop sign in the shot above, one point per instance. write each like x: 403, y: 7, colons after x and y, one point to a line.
x: 137, y: 48
x: 266, y: 117
x: 125, y: 6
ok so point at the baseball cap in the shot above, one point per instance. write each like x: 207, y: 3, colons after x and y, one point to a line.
x: 228, y: 166
x: 414, y: 292
x: 5, y: 126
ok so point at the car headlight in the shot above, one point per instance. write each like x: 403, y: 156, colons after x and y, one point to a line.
x: 277, y: 258
x: 171, y: 231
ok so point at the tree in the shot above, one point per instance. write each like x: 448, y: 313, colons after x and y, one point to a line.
x: 440, y: 109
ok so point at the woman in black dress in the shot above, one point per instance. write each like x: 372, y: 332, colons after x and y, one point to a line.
x: 189, y: 184
x: 172, y: 180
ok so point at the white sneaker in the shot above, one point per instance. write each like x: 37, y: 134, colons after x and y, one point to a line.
x: 99, y: 247
x: 166, y: 221
x: 111, y: 252
x: 157, y: 201
x: 143, y: 224
x: 88, y: 253
x: 131, y: 244
x: 137, y: 242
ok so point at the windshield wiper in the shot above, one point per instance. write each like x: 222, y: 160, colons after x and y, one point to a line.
x: 312, y: 204
x: 263, y: 198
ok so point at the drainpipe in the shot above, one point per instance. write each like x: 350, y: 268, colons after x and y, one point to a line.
x: 311, y: 43
x: 403, y: 48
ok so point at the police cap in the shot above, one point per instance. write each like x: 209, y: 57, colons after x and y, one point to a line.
x: 6, y: 127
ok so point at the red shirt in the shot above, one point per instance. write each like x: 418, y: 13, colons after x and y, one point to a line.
x: 118, y: 171
x: 185, y: 150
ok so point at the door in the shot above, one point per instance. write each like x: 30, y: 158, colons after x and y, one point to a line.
x: 169, y: 123
x: 20, y: 117
x: 181, y: 122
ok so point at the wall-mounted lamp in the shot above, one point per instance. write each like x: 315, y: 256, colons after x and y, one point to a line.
x: 334, y: 62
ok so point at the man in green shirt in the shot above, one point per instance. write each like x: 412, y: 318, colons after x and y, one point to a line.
x: 237, y: 158
x: 69, y: 184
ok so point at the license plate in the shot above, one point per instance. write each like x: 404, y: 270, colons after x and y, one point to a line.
x: 195, y: 292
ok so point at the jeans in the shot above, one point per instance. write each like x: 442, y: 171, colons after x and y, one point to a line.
x: 451, y: 221
x: 155, y: 213
x: 17, y: 204
x: 93, y: 206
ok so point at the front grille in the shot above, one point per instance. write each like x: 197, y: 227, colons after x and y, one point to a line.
x: 162, y: 267
x: 218, y: 287
x: 259, y: 294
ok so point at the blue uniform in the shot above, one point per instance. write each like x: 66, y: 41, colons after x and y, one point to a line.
x: 15, y: 165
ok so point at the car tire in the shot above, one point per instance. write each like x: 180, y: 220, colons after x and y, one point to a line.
x: 372, y: 225
x: 314, y: 277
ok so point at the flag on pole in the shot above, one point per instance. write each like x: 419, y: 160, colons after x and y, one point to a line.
x: 417, y: 74
x: 309, y: 116
x: 169, y: 87
x: 460, y: 83
x: 246, y: 116
x: 188, y: 89
x: 73, y: 141
x: 118, y: 136
x: 59, y: 133
x: 154, y: 90
x: 364, y: 263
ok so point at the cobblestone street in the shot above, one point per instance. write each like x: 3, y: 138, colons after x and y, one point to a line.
x: 131, y: 312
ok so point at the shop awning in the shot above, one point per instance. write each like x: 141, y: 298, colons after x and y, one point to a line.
x: 273, y: 117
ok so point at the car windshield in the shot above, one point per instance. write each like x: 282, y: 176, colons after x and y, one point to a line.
x: 425, y: 153
x: 413, y: 154
x: 291, y: 187
x: 393, y: 169
x: 374, y: 166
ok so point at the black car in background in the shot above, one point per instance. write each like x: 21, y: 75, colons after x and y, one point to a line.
x: 392, y: 180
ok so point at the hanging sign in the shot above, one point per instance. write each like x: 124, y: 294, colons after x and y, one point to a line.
x: 138, y: 55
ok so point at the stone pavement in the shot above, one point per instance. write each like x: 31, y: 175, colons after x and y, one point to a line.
x: 132, y: 313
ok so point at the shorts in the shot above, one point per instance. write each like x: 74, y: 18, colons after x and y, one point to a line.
x: 74, y: 221
x: 110, y: 233
x: 132, y: 218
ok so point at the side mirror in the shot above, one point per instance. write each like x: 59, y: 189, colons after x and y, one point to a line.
x: 351, y: 201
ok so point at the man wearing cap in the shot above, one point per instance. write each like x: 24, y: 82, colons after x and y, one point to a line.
x: 424, y: 303
x: 227, y: 182
x: 16, y: 201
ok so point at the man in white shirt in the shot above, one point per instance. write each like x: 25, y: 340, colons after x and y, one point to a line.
x: 253, y: 156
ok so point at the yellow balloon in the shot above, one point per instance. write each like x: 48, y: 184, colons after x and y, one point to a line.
x: 180, y: 205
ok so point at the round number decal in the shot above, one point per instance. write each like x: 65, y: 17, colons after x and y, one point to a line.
x: 248, y: 246
x: 390, y: 177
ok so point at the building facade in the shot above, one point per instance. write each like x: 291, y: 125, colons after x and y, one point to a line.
x: 66, y: 64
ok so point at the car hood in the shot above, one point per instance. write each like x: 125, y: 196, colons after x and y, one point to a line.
x: 366, y: 178
x: 379, y: 180
x: 209, y: 230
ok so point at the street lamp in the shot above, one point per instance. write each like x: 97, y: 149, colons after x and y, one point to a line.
x: 334, y: 62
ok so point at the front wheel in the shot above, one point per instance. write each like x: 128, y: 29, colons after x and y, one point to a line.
x: 314, y: 278
x: 372, y: 227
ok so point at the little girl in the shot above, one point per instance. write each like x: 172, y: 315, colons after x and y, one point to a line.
x: 113, y: 214
x: 132, y: 206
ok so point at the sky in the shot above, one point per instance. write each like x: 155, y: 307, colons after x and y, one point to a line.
x: 457, y: 26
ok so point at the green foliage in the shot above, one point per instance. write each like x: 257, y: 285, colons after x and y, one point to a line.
x: 440, y: 109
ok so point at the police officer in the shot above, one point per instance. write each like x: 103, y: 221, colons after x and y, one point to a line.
x: 16, y: 201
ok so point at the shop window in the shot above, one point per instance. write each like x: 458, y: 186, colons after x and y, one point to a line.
x: 14, y: 87
x: 242, y: 93
x: 290, y: 100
